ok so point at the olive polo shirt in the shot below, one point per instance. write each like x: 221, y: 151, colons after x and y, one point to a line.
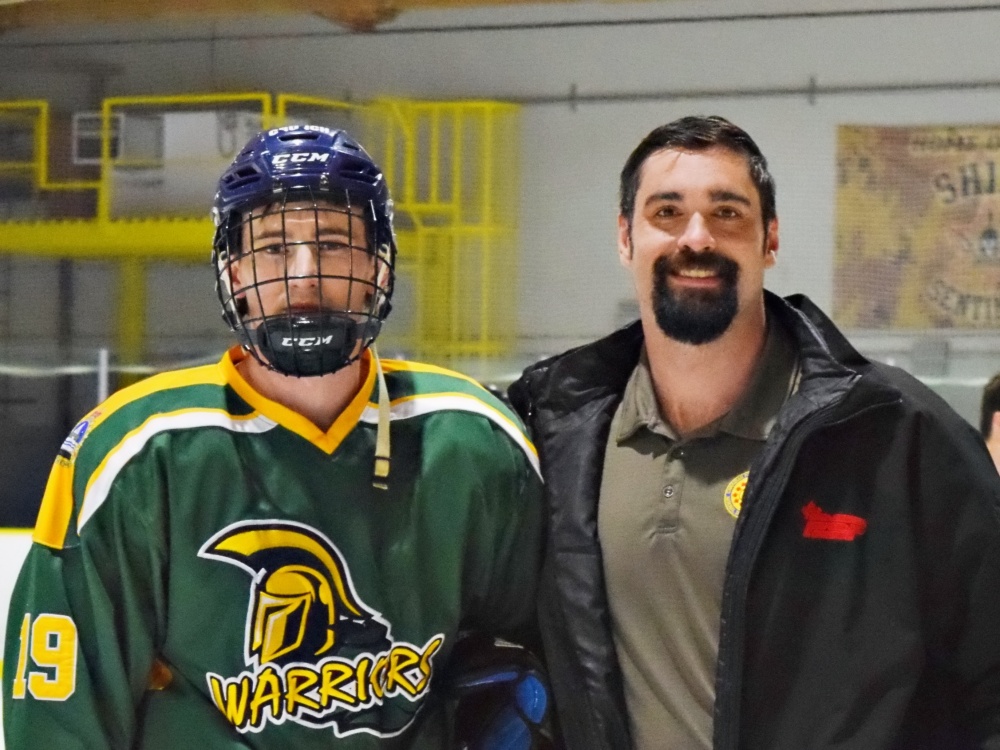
x: 667, y: 509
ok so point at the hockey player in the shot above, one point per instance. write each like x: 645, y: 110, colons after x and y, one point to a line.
x: 237, y: 555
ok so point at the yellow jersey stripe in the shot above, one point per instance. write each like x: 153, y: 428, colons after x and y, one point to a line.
x: 414, y: 406
x: 398, y: 365
x: 204, y: 375
x: 104, y: 476
x: 293, y: 421
x: 56, y: 509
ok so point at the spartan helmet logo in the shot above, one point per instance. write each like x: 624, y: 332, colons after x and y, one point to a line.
x: 302, y: 602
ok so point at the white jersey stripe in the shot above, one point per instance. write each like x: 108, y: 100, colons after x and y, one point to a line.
x: 100, y: 483
x: 418, y: 405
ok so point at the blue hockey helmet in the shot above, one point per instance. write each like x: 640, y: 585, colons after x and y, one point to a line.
x: 320, y: 179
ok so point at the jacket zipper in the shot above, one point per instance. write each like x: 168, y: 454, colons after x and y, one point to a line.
x: 726, y: 732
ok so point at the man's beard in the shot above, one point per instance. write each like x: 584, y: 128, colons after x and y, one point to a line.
x: 695, y: 316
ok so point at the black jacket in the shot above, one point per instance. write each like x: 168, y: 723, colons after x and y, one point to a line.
x: 878, y: 628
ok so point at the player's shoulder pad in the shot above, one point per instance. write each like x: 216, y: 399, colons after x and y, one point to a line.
x: 191, y: 389
x: 417, y: 389
x: 125, y: 418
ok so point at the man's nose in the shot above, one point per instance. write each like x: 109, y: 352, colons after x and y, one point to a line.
x: 696, y: 234
x: 302, y: 260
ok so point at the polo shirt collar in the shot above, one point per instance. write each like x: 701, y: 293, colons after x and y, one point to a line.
x: 774, y: 379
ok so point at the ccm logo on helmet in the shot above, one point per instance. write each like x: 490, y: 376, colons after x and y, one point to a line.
x: 303, y: 156
x: 306, y: 340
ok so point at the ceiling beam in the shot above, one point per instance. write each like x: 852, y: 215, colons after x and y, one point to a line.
x: 359, y: 15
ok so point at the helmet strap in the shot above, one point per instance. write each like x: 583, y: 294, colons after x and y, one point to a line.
x: 380, y: 477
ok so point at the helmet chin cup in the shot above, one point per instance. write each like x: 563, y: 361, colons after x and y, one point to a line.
x: 308, y: 345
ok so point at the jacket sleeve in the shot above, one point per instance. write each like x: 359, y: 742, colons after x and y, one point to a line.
x: 83, y: 621
x: 959, y: 534
x: 519, y: 397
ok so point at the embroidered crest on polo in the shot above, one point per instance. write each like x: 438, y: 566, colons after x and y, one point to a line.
x: 733, y: 496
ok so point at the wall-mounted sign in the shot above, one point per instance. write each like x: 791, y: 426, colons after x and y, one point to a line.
x: 918, y: 227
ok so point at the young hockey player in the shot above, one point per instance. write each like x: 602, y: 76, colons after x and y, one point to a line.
x: 237, y: 555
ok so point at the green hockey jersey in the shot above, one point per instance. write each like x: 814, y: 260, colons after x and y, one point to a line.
x: 211, y: 570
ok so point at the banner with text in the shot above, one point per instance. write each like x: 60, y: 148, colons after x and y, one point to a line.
x: 917, y: 244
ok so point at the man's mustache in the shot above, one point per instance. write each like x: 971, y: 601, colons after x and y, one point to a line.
x: 706, y: 260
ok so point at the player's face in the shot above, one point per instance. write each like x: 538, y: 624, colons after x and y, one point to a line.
x: 696, y: 245
x: 304, y: 257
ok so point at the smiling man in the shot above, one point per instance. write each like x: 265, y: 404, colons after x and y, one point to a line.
x: 236, y: 556
x: 759, y: 540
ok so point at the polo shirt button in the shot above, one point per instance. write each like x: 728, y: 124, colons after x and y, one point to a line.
x: 668, y: 491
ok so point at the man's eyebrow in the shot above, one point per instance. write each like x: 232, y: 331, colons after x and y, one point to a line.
x: 671, y: 195
x: 729, y: 195
x: 278, y: 233
x: 719, y: 196
x: 268, y: 234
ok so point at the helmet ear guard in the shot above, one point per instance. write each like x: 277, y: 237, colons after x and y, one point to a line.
x: 225, y: 248
x: 282, y: 172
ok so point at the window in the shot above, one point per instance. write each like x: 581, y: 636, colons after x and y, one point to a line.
x: 87, y: 137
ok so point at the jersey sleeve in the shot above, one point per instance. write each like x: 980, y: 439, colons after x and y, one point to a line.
x: 513, y: 543
x: 84, y: 617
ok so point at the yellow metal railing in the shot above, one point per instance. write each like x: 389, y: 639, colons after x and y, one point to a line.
x: 36, y: 111
x: 162, y: 103
x: 451, y: 168
x: 133, y: 242
x: 106, y: 236
x: 453, y: 171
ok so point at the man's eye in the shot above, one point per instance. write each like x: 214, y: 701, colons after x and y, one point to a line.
x: 667, y: 211
x: 334, y: 245
x: 728, y: 212
x: 271, y: 248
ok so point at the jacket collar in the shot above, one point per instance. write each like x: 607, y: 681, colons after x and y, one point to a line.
x: 561, y: 384
x: 592, y: 372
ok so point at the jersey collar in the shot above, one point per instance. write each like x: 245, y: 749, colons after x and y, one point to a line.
x: 293, y: 421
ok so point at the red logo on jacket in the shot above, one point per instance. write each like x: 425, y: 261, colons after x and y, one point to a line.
x: 841, y: 527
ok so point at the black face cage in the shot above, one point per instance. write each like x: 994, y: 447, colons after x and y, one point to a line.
x: 306, y: 316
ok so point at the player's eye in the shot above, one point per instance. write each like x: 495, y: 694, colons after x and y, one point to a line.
x: 332, y: 245
x: 271, y: 247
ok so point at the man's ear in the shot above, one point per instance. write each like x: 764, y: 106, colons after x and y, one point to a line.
x: 771, y: 244
x: 995, y: 429
x: 237, y: 287
x: 233, y: 271
x: 624, y: 241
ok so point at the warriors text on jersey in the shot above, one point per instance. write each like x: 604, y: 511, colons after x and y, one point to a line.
x: 210, y: 569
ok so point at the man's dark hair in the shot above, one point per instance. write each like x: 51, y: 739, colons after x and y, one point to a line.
x: 990, y: 404
x: 697, y: 133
